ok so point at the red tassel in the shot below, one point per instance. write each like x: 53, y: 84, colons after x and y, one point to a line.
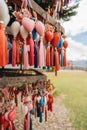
x: 45, y: 114
x: 26, y: 49
x: 59, y: 52
x: 17, y: 52
x: 31, y: 53
x: 3, y: 47
x: 14, y: 42
x: 50, y: 101
x: 43, y: 109
x: 1, y: 121
x: 6, y: 124
x: 52, y: 57
x: 57, y: 61
x: 24, y: 4
x: 48, y: 55
x: 64, y: 58
x: 57, y: 64
x: 16, y: 100
x: 13, y: 126
x: 27, y: 122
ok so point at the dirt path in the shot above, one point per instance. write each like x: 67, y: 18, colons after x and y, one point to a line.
x: 57, y: 120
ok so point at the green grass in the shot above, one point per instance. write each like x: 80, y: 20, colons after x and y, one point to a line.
x: 74, y: 86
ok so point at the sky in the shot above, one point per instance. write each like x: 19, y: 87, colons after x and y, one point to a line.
x: 76, y: 32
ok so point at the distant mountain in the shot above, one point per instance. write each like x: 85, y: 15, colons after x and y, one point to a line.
x: 80, y: 63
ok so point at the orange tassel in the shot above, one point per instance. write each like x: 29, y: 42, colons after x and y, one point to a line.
x: 52, y: 56
x: 57, y: 65
x: 31, y: 53
x: 3, y: 47
x: 57, y: 61
x: 18, y: 51
x: 48, y: 55
x: 64, y: 58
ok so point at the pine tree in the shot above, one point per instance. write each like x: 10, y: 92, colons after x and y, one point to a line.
x: 68, y: 12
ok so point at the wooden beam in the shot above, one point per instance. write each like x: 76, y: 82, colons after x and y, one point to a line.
x: 42, y: 13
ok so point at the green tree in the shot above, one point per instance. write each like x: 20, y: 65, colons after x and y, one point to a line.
x: 68, y: 12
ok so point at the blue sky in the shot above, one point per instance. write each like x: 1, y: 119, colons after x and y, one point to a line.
x: 81, y: 37
x: 76, y: 31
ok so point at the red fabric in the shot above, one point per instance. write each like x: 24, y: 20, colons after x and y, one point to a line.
x: 52, y: 57
x: 56, y: 38
x: 50, y: 101
x: 65, y: 44
x: 19, y: 37
x: 50, y: 106
x: 64, y: 58
x: 14, y: 44
x: 18, y: 53
x: 26, y: 49
x: 57, y: 61
x: 63, y: 36
x: 6, y: 124
x: 50, y: 96
x: 45, y: 114
x: 13, y: 126
x: 67, y: 2
x: 12, y: 115
x: 24, y: 4
x: 11, y: 89
x: 2, y: 118
x: 31, y: 53
x: 16, y: 93
x: 3, y: 47
x: 26, y: 122
x: 49, y: 36
x: 48, y: 56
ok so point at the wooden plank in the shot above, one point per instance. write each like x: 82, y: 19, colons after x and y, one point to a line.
x: 43, y: 14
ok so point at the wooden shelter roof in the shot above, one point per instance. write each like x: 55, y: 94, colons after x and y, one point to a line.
x: 42, y: 14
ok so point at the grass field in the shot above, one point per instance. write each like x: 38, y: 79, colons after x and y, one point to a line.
x: 73, y: 85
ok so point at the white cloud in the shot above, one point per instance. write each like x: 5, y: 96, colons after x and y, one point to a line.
x: 76, y: 50
x: 77, y: 23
